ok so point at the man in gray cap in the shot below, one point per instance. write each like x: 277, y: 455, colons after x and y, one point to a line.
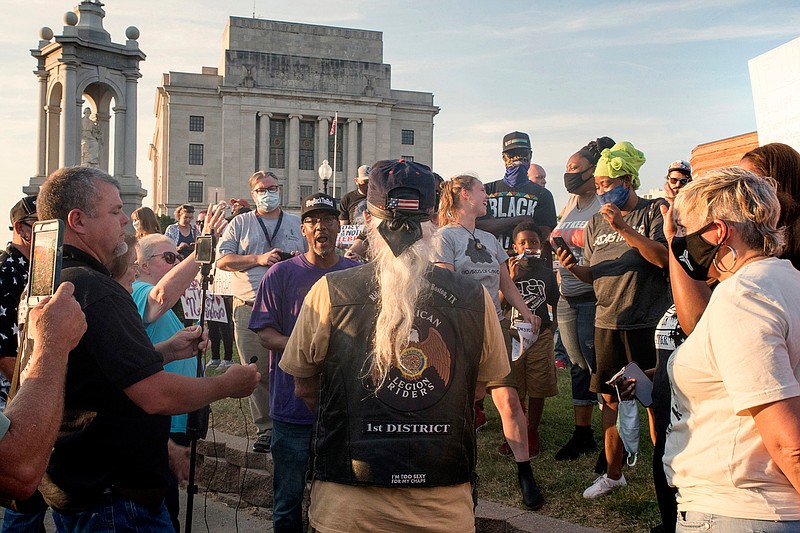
x: 354, y: 203
x: 389, y: 357
x: 13, y: 277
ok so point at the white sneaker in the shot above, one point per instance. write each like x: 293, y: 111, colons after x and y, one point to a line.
x: 225, y: 364
x: 603, y: 485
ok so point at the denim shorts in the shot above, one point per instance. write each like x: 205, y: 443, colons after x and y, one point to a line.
x: 692, y: 521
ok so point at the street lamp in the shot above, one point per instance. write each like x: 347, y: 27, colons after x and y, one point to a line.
x: 325, y: 173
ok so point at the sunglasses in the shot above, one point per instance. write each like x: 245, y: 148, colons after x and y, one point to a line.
x: 170, y: 257
x: 682, y: 181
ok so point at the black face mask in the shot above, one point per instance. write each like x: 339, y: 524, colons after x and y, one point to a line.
x: 574, y: 180
x: 694, y: 254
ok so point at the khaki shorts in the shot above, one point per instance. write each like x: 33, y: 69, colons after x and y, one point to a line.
x: 535, y: 370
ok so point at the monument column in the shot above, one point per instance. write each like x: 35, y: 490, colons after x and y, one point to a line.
x: 131, y: 77
x: 41, y: 130
x: 293, y: 160
x: 120, y: 116
x: 53, y: 138
x: 103, y: 118
x: 352, y: 153
x: 70, y: 123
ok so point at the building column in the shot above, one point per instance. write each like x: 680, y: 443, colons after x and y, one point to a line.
x: 323, y: 129
x: 131, y: 78
x: 263, y: 140
x: 119, y: 140
x: 352, y: 154
x: 41, y: 130
x: 293, y: 160
x: 70, y: 122
x: 369, y: 129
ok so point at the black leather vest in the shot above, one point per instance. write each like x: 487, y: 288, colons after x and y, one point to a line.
x: 417, y: 430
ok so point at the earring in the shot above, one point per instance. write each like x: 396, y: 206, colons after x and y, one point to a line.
x: 735, y: 257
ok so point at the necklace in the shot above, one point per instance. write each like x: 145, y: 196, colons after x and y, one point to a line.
x: 478, y: 245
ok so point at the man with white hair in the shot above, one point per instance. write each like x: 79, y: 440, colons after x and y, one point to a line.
x: 537, y: 174
x: 390, y: 357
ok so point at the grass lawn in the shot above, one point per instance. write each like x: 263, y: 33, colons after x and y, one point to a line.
x: 632, y: 509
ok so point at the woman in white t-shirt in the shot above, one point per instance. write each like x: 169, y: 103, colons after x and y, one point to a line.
x: 733, y: 449
x: 461, y: 247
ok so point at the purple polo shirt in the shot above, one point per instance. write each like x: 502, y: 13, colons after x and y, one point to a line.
x: 278, y: 302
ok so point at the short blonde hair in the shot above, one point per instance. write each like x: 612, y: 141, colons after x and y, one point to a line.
x: 260, y: 175
x: 148, y: 243
x: 739, y: 197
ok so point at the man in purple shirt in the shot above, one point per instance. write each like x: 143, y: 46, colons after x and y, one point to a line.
x: 277, y: 305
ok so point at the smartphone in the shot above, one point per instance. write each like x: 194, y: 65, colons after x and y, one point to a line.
x: 205, y: 249
x: 45, y: 265
x: 644, y: 386
x: 561, y: 243
x: 285, y: 255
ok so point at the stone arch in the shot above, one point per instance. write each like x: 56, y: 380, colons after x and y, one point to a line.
x: 100, y: 95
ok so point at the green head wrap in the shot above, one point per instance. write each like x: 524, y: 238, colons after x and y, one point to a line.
x: 620, y: 160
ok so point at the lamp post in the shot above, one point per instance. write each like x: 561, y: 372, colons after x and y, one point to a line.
x: 325, y: 173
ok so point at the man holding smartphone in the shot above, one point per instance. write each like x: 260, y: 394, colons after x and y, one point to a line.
x: 110, y: 460
x: 253, y: 242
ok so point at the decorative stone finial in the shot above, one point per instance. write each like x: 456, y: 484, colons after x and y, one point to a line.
x: 45, y: 33
x: 132, y: 33
x: 70, y: 18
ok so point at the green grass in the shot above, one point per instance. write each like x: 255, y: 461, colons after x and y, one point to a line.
x: 628, y: 510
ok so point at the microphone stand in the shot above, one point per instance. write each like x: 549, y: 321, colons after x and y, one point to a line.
x: 197, y: 421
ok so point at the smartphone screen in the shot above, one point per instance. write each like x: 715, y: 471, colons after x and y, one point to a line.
x: 45, y: 264
x: 204, y: 250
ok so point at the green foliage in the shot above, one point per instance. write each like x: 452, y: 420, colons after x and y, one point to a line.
x: 164, y: 221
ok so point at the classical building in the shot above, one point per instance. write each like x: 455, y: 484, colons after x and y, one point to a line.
x: 270, y: 105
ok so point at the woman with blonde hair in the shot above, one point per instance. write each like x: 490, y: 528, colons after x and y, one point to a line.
x: 732, y: 451
x: 183, y: 232
x: 144, y: 221
x: 461, y: 247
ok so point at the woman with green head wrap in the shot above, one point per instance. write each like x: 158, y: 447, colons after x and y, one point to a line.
x: 624, y: 258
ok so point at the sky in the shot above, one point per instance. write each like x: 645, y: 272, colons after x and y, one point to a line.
x: 666, y: 75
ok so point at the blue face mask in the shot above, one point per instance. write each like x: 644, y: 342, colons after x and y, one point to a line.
x: 617, y: 196
x: 516, y: 175
x: 269, y: 201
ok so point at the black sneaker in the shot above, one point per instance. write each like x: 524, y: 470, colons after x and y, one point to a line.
x: 576, y: 446
x: 262, y: 445
x: 531, y: 495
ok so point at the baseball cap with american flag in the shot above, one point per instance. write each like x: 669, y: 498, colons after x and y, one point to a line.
x: 401, y: 194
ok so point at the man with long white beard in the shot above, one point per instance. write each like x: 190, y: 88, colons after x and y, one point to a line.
x: 390, y: 357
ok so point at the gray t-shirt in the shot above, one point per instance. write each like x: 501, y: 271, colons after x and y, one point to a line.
x: 632, y: 293
x: 244, y: 236
x: 571, y: 228
x: 455, y: 245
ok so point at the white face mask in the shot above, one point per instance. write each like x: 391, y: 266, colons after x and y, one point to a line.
x: 269, y: 201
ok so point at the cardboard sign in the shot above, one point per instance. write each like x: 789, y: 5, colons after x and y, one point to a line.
x: 347, y: 235
x: 215, y: 307
x: 222, y: 283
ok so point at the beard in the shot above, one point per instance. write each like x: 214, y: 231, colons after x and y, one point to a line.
x: 402, y: 287
x: 120, y: 248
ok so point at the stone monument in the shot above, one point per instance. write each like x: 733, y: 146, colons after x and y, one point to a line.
x: 82, y: 66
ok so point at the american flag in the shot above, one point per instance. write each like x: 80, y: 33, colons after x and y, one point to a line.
x: 402, y: 203
x: 335, y: 120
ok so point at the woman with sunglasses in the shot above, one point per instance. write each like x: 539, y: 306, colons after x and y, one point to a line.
x: 183, y: 232
x: 163, y: 278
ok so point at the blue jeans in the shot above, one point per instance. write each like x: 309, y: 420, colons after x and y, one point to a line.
x: 115, y: 515
x: 14, y: 522
x: 692, y: 521
x: 576, y: 325
x: 290, y: 450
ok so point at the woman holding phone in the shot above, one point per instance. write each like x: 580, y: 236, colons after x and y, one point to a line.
x: 625, y: 256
